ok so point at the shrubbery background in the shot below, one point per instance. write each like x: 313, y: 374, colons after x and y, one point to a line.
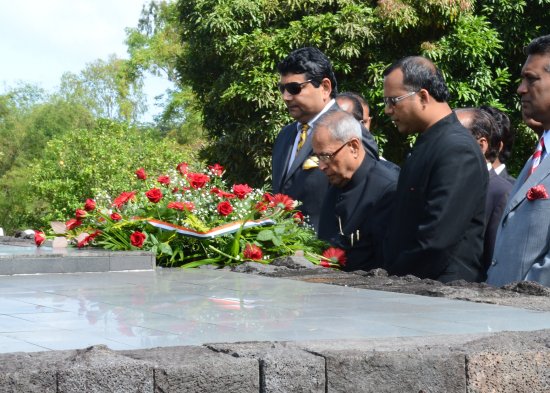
x: 57, y: 148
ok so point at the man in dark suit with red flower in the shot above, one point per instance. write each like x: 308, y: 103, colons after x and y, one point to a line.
x: 522, y: 249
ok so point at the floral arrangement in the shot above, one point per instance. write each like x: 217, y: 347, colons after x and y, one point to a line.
x: 191, y: 218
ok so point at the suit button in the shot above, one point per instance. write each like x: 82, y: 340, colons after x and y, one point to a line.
x: 493, y: 262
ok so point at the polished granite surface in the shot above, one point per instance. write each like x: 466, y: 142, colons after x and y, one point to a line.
x: 172, y: 307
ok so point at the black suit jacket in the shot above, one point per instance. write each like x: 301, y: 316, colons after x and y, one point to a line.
x: 438, y: 223
x: 361, y: 210
x: 504, y: 174
x: 497, y: 196
x: 305, y: 185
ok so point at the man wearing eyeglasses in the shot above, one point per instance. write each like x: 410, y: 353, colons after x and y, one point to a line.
x: 358, y: 202
x: 438, y: 222
x: 308, y: 87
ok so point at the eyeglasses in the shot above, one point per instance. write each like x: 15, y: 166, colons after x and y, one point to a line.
x: 326, y: 157
x: 392, y: 101
x: 292, y: 87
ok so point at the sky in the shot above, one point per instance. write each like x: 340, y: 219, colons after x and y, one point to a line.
x: 42, y: 39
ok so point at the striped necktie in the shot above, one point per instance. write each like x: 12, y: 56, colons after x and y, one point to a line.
x: 303, y: 136
x: 538, y: 155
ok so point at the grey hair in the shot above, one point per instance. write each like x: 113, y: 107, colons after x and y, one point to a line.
x: 341, y: 125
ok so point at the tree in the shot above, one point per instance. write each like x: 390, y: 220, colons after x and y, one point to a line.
x: 80, y: 164
x: 108, y: 89
x: 154, y: 46
x: 231, y: 48
x: 16, y: 105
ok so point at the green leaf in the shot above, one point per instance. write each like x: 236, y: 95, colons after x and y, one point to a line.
x: 265, y: 235
x: 165, y: 248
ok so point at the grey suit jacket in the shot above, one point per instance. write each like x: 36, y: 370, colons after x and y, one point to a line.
x: 522, y: 247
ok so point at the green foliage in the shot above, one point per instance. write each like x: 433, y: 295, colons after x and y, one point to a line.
x: 108, y: 89
x: 231, y: 49
x: 81, y: 162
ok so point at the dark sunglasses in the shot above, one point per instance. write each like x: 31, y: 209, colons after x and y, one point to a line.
x: 292, y: 87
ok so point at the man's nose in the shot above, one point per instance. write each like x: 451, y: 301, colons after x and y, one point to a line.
x: 287, y: 96
x: 522, y: 88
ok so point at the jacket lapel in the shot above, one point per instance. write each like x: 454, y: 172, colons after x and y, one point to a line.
x: 304, y: 153
x: 280, y: 166
x: 519, y: 193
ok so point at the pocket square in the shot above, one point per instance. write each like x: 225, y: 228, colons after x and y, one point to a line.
x: 537, y: 192
x: 310, y: 163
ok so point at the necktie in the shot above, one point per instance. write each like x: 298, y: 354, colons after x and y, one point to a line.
x: 537, y: 155
x: 303, y: 136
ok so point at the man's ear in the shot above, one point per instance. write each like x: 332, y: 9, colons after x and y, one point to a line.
x: 483, y: 144
x: 355, y: 143
x: 424, y: 96
x: 326, y: 85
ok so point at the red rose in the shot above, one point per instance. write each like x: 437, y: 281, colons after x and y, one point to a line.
x: 267, y: 197
x: 89, y: 205
x: 253, y: 252
x: 282, y: 201
x: 537, y: 192
x: 298, y: 217
x: 197, y: 180
x: 72, y: 224
x: 164, y: 179
x: 260, y: 206
x: 189, y: 206
x: 140, y: 173
x: 137, y: 239
x: 216, y: 169
x: 154, y: 195
x: 116, y: 217
x: 123, y: 198
x: 221, y: 193
x: 335, y: 255
x: 241, y: 190
x: 88, y: 239
x: 182, y: 167
x: 225, y: 208
x: 39, y: 238
x: 80, y: 214
x: 84, y: 242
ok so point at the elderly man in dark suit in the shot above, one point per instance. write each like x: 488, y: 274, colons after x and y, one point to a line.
x: 438, y: 221
x: 484, y: 129
x: 522, y: 249
x: 308, y: 87
x: 358, y: 202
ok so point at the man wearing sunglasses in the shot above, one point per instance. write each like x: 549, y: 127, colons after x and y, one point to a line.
x: 357, y: 205
x: 308, y: 87
x: 438, y: 221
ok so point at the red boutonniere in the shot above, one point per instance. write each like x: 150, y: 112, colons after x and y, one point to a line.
x: 537, y: 192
